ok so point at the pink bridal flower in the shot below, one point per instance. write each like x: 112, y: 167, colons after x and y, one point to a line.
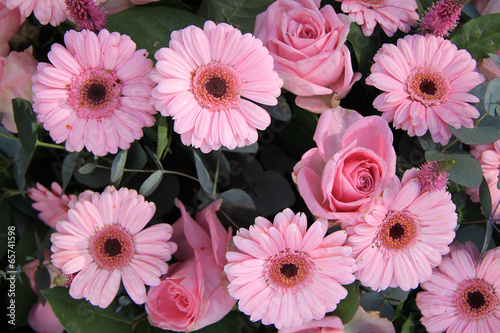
x: 309, y: 51
x: 46, y: 11
x: 206, y: 82
x: 442, y: 17
x: 52, y: 204
x: 390, y: 14
x: 354, y: 162
x: 96, y: 93
x: 103, y: 241
x: 402, y: 235
x: 488, y: 156
x: 285, y: 274
x: 463, y: 294
x: 15, y: 81
x: 426, y: 81
x: 488, y: 68
x: 194, y: 292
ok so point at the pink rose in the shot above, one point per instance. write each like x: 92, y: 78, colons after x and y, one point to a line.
x: 194, y: 293
x: 488, y: 68
x: 485, y: 7
x: 15, y: 81
x: 10, y: 22
x: 329, y: 324
x: 354, y: 162
x: 309, y: 51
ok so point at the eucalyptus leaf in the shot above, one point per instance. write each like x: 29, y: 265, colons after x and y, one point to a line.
x: 240, y: 13
x: 272, y: 194
x: 364, y: 47
x: 239, y: 207
x: 26, y: 123
x: 151, y: 183
x: 79, y: 315
x: 87, y: 168
x: 280, y: 111
x: 206, y: 181
x: 118, y: 166
x: 22, y: 161
x: 492, y: 97
x: 250, y: 149
x: 476, y: 233
x: 470, y: 10
x: 485, y: 198
x: 375, y: 301
x: 150, y: 26
x: 347, y: 307
x: 42, y: 280
x: 164, y: 136
x: 479, y: 36
x: 495, y: 59
x: 466, y: 171
x: 68, y: 168
x: 476, y: 136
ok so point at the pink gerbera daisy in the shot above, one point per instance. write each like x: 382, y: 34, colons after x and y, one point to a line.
x: 52, y: 204
x: 488, y: 156
x: 463, y: 294
x: 103, y: 243
x: 402, y: 236
x: 46, y: 11
x: 426, y: 81
x: 96, y: 93
x: 390, y: 14
x: 206, y: 79
x: 287, y: 275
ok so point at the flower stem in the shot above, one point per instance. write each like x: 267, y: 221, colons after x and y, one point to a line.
x: 216, y: 177
x: 151, y: 171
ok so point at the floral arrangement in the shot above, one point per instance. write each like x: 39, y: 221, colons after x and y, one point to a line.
x: 250, y: 166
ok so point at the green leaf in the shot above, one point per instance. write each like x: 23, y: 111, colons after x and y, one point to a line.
x: 347, y: 307
x: 118, y: 166
x: 492, y: 97
x: 239, y: 207
x: 272, y: 194
x: 476, y: 136
x: 466, y: 171
x: 280, y: 111
x: 164, y: 136
x: 250, y: 149
x: 364, y: 47
x: 408, y: 326
x: 151, y: 183
x: 68, y: 167
x: 485, y: 198
x: 79, y: 315
x: 150, y: 26
x: 495, y: 59
x: 475, y: 233
x: 87, y: 168
x: 206, y: 181
x: 479, y: 36
x: 26, y: 123
x: 22, y: 161
x: 240, y: 13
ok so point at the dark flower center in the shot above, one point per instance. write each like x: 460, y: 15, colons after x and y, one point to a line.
x: 96, y: 93
x: 397, y: 231
x: 475, y: 299
x: 216, y: 87
x: 112, y: 247
x: 289, y: 270
x: 428, y: 87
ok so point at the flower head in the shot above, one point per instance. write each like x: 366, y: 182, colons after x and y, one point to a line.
x: 52, y: 204
x: 46, y: 11
x: 86, y: 14
x: 287, y: 275
x: 353, y: 163
x: 96, y: 92
x: 463, y: 294
x: 103, y: 242
x: 390, y: 14
x: 442, y: 17
x: 433, y: 176
x: 402, y: 236
x: 207, y: 79
x: 426, y: 81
